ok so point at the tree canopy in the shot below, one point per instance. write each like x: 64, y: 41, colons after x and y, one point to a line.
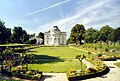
x: 77, y: 34
x: 106, y: 33
x: 19, y: 35
x: 5, y: 33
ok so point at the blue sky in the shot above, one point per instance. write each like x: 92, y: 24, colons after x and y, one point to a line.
x: 40, y: 15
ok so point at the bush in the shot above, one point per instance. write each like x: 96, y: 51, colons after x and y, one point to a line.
x: 117, y: 56
x: 92, y: 70
x: 7, y: 51
x: 99, y: 55
x: 106, y: 49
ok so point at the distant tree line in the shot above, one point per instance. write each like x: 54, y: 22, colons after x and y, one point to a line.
x: 106, y: 33
x: 78, y: 34
x: 17, y: 35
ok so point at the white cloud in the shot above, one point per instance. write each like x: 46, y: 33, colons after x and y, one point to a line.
x: 67, y: 23
x: 52, y: 6
x: 93, y: 15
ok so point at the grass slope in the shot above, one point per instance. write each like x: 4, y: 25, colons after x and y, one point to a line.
x: 56, y: 59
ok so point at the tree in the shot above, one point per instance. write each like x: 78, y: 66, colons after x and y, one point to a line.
x: 5, y: 33
x: 89, y: 35
x: 68, y: 41
x: 77, y: 34
x: 19, y: 35
x: 95, y: 36
x: 117, y: 34
x: 114, y: 36
x: 104, y: 32
x: 41, y: 35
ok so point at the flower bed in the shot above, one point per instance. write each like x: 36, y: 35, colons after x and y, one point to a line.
x: 75, y: 75
x: 22, y: 73
x: 98, y: 69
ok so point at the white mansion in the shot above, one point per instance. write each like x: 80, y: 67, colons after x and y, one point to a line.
x: 55, y: 37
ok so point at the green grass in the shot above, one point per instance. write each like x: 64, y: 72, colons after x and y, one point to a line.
x: 56, y: 59
x: 117, y: 64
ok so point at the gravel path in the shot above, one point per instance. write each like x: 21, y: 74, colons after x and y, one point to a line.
x: 88, y: 64
x: 113, y: 75
x: 54, y: 77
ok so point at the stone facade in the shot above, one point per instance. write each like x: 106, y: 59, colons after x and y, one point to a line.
x: 55, y: 37
x: 38, y: 40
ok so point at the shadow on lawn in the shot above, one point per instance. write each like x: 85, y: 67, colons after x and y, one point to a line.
x: 42, y: 59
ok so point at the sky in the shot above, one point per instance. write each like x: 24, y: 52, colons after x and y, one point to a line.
x: 36, y: 16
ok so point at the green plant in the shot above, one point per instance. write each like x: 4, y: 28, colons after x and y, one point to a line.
x: 106, y: 49
x: 99, y: 55
x: 7, y: 51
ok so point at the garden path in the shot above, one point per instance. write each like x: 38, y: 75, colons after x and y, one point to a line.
x: 54, y: 77
x: 88, y: 64
x: 113, y: 75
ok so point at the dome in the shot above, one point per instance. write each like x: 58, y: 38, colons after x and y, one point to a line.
x: 55, y: 29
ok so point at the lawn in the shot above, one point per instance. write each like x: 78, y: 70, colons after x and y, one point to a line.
x: 56, y: 59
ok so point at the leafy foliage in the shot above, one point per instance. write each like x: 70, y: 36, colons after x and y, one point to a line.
x: 5, y: 33
x: 19, y: 35
x: 77, y: 34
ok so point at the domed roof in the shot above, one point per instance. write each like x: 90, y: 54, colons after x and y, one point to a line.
x: 55, y: 29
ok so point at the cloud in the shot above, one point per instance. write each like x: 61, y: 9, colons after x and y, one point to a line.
x: 95, y: 14
x: 67, y: 23
x: 52, y: 6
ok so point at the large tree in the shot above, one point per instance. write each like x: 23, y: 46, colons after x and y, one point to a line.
x: 90, y: 35
x: 114, y: 36
x: 19, y: 35
x: 77, y: 34
x: 104, y: 32
x: 5, y: 33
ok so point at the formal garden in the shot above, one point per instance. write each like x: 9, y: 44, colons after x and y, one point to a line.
x: 31, y: 61
x: 81, y: 57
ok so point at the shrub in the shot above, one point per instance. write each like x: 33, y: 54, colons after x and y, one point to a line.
x: 92, y: 70
x: 7, y: 51
x: 28, y: 73
x: 72, y: 72
x: 87, y: 71
x: 117, y: 56
x: 106, y: 49
x: 99, y: 55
